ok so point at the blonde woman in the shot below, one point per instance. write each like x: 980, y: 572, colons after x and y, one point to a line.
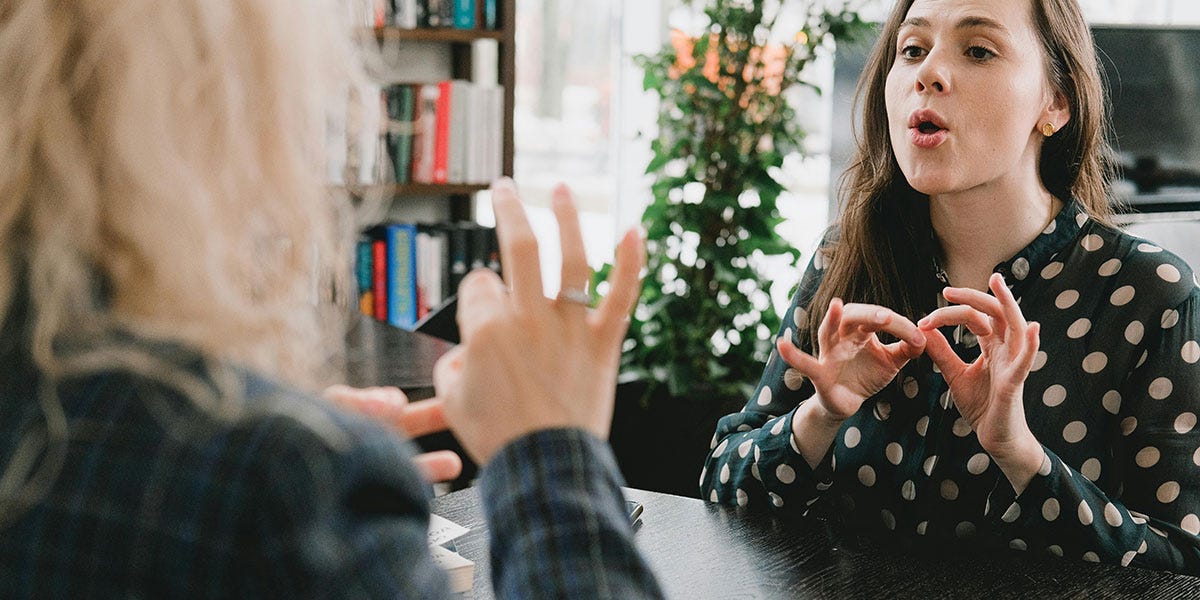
x: 978, y: 357
x: 161, y: 226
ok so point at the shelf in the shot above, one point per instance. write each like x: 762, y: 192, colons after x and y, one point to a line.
x: 447, y: 35
x: 420, y: 189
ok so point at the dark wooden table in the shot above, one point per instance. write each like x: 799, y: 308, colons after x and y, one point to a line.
x: 381, y: 354
x: 701, y: 550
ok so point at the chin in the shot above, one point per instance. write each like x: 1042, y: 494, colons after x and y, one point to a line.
x: 928, y: 183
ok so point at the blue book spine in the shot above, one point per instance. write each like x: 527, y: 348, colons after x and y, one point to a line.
x: 464, y: 14
x: 489, y: 15
x: 362, y: 265
x: 402, y: 274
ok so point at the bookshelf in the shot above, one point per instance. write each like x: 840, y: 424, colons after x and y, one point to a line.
x: 443, y: 131
x: 453, y: 49
x: 426, y: 56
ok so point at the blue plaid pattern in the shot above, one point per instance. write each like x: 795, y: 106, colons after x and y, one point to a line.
x: 558, y: 523
x: 160, y: 499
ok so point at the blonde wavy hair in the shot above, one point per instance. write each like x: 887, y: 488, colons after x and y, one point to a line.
x: 161, y: 173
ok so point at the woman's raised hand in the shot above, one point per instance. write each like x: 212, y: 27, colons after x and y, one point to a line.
x: 989, y: 391
x: 527, y: 362
x: 854, y: 364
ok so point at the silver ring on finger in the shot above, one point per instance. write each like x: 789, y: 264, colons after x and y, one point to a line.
x: 574, y: 297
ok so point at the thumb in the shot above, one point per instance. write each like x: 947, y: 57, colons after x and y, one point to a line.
x: 943, y: 355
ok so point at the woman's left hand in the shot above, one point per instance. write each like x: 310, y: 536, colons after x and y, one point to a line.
x: 989, y: 392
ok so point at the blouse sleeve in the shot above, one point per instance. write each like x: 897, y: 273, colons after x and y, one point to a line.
x: 754, y: 458
x: 1152, y: 519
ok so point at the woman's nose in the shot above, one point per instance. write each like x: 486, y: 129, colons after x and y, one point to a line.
x: 932, y: 76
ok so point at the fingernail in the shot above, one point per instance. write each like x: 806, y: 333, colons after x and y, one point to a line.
x: 919, y: 339
x: 504, y: 183
x: 881, y: 315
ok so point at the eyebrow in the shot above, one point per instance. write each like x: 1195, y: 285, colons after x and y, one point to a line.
x: 965, y: 23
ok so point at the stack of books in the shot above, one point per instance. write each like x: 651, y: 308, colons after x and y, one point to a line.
x: 404, y: 270
x: 445, y: 132
x: 413, y: 14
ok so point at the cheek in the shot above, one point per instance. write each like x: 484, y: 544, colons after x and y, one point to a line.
x: 892, y: 98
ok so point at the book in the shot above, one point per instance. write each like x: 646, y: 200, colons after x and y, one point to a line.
x: 400, y: 130
x: 379, y: 278
x: 433, y: 12
x: 490, y: 20
x: 424, y: 143
x: 364, y: 277
x: 441, y: 145
x: 442, y: 533
x: 460, y: 129
x: 406, y: 13
x: 464, y: 14
x: 459, y: 255
x: 432, y: 266
x: 402, y: 274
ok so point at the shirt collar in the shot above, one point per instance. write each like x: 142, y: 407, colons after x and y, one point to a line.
x: 1030, y: 261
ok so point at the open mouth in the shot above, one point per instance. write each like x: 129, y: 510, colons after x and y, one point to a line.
x: 928, y: 127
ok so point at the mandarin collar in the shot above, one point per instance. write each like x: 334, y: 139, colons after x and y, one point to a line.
x: 1059, y: 234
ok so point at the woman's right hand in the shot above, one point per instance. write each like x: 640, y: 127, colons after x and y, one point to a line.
x: 854, y: 364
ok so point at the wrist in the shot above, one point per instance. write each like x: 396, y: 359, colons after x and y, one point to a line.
x: 1020, y: 461
x: 813, y: 430
x: 814, y: 413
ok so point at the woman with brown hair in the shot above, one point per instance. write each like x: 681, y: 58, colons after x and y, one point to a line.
x: 976, y: 353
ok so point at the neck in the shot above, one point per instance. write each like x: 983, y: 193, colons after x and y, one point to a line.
x: 984, y: 226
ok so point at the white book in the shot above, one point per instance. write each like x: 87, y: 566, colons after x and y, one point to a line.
x: 495, y: 142
x: 406, y: 14
x: 476, y: 124
x: 371, y: 118
x: 459, y: 108
x: 485, y: 62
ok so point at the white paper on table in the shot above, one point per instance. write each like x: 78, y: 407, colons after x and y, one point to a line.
x: 442, y: 530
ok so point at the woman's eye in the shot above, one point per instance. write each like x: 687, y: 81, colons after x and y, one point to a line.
x: 980, y: 53
x: 912, y: 52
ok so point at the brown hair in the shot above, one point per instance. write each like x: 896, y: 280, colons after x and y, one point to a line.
x: 884, y: 247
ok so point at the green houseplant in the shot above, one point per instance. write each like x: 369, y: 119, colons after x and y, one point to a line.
x: 705, y: 324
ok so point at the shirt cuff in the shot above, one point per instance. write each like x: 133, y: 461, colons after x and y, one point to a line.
x: 549, y: 462
x: 1004, y: 507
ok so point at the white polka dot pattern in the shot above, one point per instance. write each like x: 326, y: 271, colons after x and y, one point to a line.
x: 764, y: 396
x: 1054, y: 395
x: 1134, y: 332
x: 1190, y: 352
x: 1079, y: 329
x: 1112, y: 401
x: 1118, y: 351
x: 1067, y: 299
x: 1052, y: 270
x: 785, y: 474
x: 1050, y: 509
x: 1110, y: 267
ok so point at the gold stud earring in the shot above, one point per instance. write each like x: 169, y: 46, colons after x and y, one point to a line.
x: 1048, y: 129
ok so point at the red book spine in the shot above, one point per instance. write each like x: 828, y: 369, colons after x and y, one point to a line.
x: 441, y: 148
x: 379, y: 277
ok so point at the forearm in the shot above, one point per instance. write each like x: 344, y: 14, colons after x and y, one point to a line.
x: 558, y: 525
x: 814, y: 431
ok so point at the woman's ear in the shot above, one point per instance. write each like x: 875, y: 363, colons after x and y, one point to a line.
x: 1058, y: 113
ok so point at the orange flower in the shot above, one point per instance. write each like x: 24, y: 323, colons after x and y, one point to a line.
x: 774, y: 60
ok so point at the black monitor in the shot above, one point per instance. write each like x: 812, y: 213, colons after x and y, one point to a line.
x: 1153, y: 77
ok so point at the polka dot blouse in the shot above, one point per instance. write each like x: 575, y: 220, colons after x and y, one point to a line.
x: 1113, y: 398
